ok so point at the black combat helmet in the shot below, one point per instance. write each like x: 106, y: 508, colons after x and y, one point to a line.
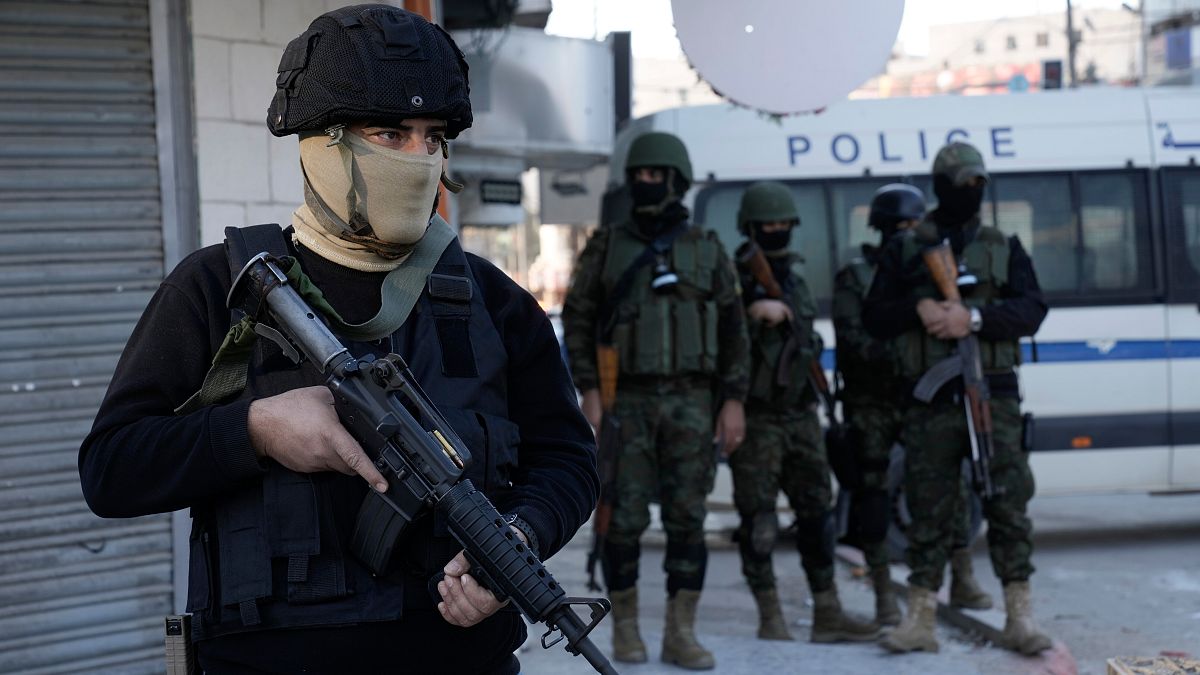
x: 370, y: 62
x: 895, y: 203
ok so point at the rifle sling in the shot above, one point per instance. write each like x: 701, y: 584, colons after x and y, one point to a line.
x: 401, y: 289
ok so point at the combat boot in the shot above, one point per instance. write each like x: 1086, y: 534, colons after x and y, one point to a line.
x: 887, y: 610
x: 627, y: 643
x: 915, y: 632
x: 831, y: 624
x: 1021, y: 634
x: 964, y: 589
x: 771, y: 625
x: 679, y: 638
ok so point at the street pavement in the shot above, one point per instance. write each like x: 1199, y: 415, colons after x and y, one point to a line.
x: 1118, y: 575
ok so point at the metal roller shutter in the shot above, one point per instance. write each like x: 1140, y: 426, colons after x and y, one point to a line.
x: 81, y: 251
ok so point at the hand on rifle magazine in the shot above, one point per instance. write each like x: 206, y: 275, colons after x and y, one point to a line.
x: 466, y: 603
x: 300, y: 430
x: 770, y: 312
x: 731, y: 426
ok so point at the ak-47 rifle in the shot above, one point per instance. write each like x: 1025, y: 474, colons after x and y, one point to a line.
x: 967, y: 364
x: 752, y: 256
x: 384, y: 408
x: 608, y: 451
x: 837, y: 444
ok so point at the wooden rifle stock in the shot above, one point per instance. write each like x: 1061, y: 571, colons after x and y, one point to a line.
x: 755, y: 260
x: 940, y: 261
x: 607, y: 363
x: 608, y: 448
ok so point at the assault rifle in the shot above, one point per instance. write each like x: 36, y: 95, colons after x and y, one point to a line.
x: 967, y: 364
x: 608, y: 451
x: 381, y: 404
x: 837, y: 443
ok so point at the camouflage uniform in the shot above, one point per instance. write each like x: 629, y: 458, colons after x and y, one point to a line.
x: 873, y: 396
x: 783, y: 448
x: 673, y: 349
x: 1006, y: 304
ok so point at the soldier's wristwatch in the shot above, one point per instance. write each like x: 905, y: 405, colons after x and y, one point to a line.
x: 976, y: 320
x: 526, y: 529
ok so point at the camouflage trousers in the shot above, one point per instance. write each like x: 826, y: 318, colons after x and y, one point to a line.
x: 936, y: 438
x: 666, y: 456
x: 876, y: 425
x: 783, y: 451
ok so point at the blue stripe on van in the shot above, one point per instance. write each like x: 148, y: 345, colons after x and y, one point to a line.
x: 1120, y: 350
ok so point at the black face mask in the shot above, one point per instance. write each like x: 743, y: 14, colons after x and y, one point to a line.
x: 956, y: 205
x: 771, y: 242
x: 647, y: 194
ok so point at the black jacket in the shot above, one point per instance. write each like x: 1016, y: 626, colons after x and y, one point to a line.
x: 140, y: 458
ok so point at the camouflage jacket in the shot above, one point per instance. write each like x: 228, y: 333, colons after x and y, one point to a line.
x: 867, y: 365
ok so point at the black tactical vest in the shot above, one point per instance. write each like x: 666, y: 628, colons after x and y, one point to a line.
x: 275, y: 553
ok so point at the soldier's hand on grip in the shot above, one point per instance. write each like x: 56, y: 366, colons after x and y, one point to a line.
x: 300, y: 430
x: 770, y: 312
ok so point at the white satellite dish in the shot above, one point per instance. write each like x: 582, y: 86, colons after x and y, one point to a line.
x: 787, y: 56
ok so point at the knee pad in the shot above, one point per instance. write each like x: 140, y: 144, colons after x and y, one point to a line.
x: 764, y: 531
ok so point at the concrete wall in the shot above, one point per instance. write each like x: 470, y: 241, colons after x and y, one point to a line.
x: 246, y: 175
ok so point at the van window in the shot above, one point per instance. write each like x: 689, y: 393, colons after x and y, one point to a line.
x: 1115, y: 245
x: 1037, y: 209
x: 1182, y: 220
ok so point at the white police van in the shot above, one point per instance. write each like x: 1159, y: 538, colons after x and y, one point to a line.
x: 1103, y: 189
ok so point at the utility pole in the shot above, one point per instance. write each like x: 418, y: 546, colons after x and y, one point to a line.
x: 1072, y: 42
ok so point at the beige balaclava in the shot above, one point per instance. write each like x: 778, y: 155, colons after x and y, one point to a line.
x: 365, y: 206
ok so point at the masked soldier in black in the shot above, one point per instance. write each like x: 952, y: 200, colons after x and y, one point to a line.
x: 1001, y: 303
x: 273, y: 480
x: 873, y: 397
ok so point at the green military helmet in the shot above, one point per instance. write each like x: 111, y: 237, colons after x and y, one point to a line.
x: 959, y: 162
x: 766, y: 202
x: 659, y: 148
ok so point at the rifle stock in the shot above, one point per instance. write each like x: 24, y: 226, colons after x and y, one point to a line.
x: 608, y: 451
x: 755, y: 260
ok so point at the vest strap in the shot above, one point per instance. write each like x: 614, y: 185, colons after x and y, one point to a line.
x: 249, y: 611
x: 450, y: 298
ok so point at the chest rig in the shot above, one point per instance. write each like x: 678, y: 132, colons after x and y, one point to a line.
x: 276, y: 553
x: 665, y: 333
